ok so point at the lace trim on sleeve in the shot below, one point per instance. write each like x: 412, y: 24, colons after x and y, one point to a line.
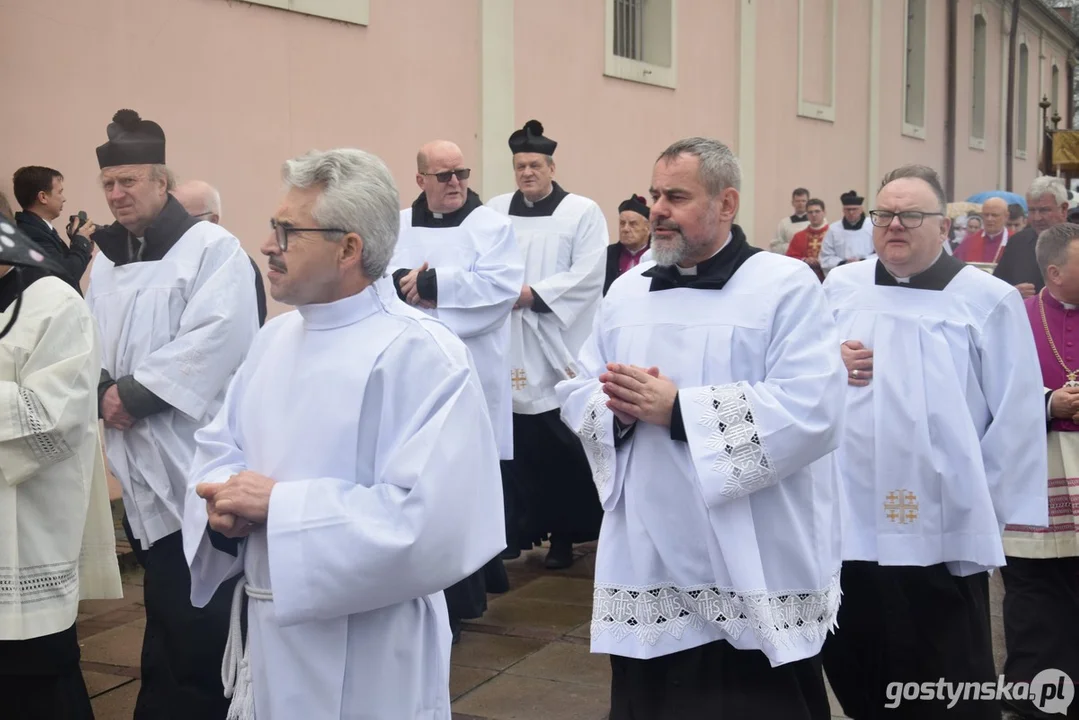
x: 741, y: 456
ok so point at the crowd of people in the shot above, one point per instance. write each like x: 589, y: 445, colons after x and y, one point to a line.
x: 797, y: 461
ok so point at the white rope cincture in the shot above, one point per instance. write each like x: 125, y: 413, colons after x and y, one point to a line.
x: 235, y: 669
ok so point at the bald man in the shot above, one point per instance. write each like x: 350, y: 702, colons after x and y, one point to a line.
x: 203, y: 202
x: 458, y: 261
x: 987, y: 246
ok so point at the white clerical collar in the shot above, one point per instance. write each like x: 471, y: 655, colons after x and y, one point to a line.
x: 339, y: 313
x: 1067, y: 306
x: 693, y: 270
x: 437, y: 215
x: 905, y: 280
x: 530, y: 203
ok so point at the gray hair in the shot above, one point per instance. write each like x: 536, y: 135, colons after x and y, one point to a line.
x: 919, y: 172
x: 162, y: 172
x: 1052, y: 247
x: 358, y: 195
x: 1048, y: 185
x: 719, y: 169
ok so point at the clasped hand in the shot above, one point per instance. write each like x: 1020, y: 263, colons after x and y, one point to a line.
x: 236, y: 506
x: 638, y: 394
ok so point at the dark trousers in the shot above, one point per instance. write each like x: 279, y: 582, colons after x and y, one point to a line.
x: 549, y: 483
x: 183, y: 645
x: 1041, y: 624
x: 40, y: 679
x: 717, y: 682
x: 910, y: 625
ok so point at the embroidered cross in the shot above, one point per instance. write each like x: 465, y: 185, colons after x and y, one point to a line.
x: 518, y: 378
x: 901, y: 506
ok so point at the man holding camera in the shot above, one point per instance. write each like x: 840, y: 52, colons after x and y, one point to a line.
x: 40, y: 192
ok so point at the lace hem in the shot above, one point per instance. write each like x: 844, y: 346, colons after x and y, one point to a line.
x: 593, y: 435
x: 779, y: 618
x: 741, y: 456
x: 46, y: 446
x: 37, y: 583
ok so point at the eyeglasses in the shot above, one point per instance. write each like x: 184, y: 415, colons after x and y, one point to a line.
x: 444, y: 177
x: 909, y: 219
x: 282, y: 230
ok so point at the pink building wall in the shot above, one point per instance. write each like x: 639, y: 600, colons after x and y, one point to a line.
x: 239, y: 88
x: 827, y: 158
x: 610, y: 130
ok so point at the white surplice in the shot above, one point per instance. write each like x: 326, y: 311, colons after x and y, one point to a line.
x: 57, y: 543
x: 479, y: 273
x: 733, y: 534
x: 371, y: 419
x: 947, y: 443
x: 181, y: 325
x: 841, y: 243
x: 565, y: 256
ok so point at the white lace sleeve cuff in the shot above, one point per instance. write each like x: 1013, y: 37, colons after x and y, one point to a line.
x: 725, y: 441
x: 597, y: 435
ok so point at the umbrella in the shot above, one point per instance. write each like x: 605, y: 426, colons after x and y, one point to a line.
x: 1008, y: 197
x: 960, y: 209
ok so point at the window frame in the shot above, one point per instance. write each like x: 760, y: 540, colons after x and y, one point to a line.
x: 623, y: 68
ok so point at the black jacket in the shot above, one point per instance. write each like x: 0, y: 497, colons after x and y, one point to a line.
x: 1018, y: 263
x: 73, y: 259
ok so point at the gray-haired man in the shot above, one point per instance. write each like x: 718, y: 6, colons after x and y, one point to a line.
x: 352, y: 474
x: 1047, y: 205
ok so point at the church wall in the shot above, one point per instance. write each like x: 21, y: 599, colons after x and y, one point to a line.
x: 897, y: 149
x: 977, y: 169
x: 237, y: 89
x: 828, y: 158
x: 609, y: 130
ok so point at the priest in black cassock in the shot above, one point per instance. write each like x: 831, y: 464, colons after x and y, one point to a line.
x: 1047, y: 206
x: 563, y: 238
x: 634, y: 239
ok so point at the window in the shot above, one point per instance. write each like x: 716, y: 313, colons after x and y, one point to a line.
x: 816, y: 58
x: 977, y: 93
x: 914, y: 70
x: 350, y: 11
x: 1022, y: 72
x: 641, y: 41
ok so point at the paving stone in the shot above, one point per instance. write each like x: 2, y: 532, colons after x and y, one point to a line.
x: 513, y: 697
x: 572, y: 591
x: 119, y: 646
x: 132, y: 596
x: 98, y: 683
x: 535, y: 618
x: 565, y: 662
x: 118, y: 704
x: 584, y: 630
x: 463, y: 679
x: 492, y: 652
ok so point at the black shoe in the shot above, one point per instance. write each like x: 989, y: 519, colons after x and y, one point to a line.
x: 560, y: 556
x: 510, y: 553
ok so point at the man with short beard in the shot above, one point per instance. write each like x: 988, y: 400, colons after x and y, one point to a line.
x: 709, y: 403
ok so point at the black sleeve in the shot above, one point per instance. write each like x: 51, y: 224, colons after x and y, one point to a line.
x: 77, y: 257
x: 427, y: 285
x: 1048, y: 418
x: 537, y: 303
x: 678, y: 427
x: 260, y: 293
x: 222, y: 543
x: 138, y: 401
x: 619, y: 438
x: 103, y: 385
x: 397, y: 275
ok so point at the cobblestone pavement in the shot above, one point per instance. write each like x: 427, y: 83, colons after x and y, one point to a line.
x: 526, y: 659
